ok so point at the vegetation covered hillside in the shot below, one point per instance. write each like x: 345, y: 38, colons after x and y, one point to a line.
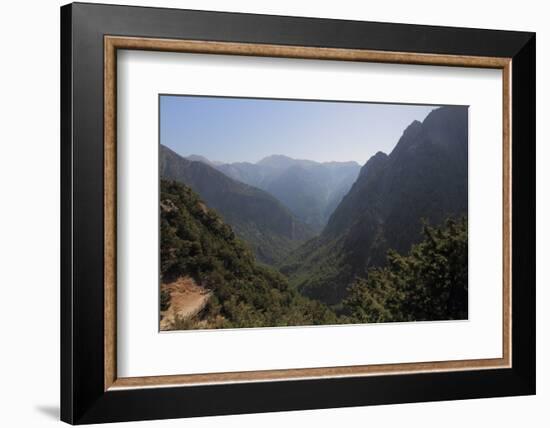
x: 270, y: 229
x: 430, y: 283
x: 198, y: 247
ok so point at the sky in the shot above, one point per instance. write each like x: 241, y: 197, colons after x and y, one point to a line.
x: 247, y: 129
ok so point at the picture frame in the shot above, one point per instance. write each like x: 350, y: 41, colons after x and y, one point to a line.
x: 91, y: 390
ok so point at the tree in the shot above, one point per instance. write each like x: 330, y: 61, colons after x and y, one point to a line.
x: 196, y: 243
x: 430, y: 283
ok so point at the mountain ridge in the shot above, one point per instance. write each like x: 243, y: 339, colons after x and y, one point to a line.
x: 256, y: 216
x: 424, y: 178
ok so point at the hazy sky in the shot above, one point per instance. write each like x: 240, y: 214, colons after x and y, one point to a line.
x: 244, y: 129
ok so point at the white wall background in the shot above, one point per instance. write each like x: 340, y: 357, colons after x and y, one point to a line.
x: 29, y: 215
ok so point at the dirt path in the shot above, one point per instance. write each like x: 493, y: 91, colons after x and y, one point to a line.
x: 187, y: 299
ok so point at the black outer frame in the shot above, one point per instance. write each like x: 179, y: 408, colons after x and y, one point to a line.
x: 83, y: 399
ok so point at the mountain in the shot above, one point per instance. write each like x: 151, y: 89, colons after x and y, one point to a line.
x: 282, y: 162
x: 209, y: 278
x: 257, y: 217
x: 246, y: 172
x: 425, y: 177
x: 310, y: 190
x: 199, y: 158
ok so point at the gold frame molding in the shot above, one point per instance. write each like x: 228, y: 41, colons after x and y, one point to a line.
x: 113, y: 43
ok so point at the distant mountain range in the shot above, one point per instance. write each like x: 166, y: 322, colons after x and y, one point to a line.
x: 310, y: 190
x: 425, y: 177
x: 256, y: 216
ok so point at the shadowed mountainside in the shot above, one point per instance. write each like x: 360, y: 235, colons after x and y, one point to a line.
x: 424, y: 177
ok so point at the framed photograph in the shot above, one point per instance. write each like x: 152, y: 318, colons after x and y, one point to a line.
x: 265, y: 213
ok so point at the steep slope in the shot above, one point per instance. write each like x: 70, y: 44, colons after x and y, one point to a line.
x: 311, y: 190
x: 210, y: 278
x: 424, y: 177
x: 257, y: 217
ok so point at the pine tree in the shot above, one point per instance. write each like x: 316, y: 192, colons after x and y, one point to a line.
x: 430, y: 283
